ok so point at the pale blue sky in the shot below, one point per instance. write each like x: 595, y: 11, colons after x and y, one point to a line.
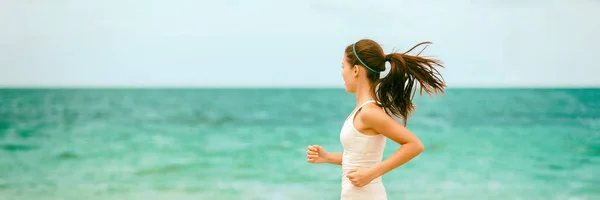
x: 291, y: 43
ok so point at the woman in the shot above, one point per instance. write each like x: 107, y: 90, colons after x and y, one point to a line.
x: 364, y: 132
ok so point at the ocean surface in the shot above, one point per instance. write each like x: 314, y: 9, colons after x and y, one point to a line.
x: 251, y: 144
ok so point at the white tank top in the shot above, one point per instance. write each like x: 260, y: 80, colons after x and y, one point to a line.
x: 360, y: 150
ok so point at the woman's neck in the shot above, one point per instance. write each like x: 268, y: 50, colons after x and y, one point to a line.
x: 363, y: 93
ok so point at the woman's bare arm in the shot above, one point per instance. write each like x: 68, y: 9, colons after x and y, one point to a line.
x: 334, y: 158
x: 376, y: 119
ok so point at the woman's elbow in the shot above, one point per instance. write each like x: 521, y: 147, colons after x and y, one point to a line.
x: 419, y: 147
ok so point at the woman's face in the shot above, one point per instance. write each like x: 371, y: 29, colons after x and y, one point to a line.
x: 349, y: 75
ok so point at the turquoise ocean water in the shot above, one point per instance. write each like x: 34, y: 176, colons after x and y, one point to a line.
x: 251, y: 144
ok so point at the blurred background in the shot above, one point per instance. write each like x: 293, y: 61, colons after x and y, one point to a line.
x: 218, y: 100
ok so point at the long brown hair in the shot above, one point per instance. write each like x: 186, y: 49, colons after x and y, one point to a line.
x: 395, y: 91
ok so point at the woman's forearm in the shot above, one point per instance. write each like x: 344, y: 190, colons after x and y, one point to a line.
x: 334, y: 158
x: 404, y: 154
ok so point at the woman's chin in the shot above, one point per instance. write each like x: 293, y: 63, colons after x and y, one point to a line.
x: 347, y: 89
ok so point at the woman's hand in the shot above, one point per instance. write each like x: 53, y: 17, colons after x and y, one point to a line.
x: 360, y: 176
x: 317, y: 155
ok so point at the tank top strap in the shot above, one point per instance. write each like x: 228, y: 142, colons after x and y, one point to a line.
x: 358, y: 108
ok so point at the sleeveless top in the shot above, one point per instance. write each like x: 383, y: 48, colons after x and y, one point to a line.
x: 360, y: 150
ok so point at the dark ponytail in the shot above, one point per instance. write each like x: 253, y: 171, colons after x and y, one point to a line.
x: 396, y: 90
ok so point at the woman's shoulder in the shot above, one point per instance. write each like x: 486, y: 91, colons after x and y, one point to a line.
x: 372, y: 112
x: 375, y: 117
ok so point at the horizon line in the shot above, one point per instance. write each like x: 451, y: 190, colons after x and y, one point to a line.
x: 282, y: 87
